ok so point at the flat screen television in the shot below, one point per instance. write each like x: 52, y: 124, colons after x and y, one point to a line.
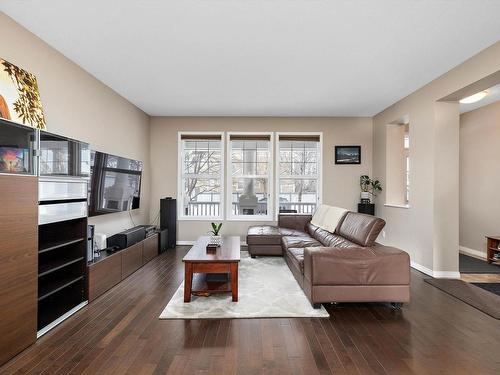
x: 115, y: 184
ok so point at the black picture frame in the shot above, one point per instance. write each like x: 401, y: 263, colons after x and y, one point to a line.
x: 348, y: 155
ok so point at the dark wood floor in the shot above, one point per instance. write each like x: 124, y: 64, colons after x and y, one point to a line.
x: 120, y: 333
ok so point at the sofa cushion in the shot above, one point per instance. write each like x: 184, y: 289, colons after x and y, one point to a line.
x: 328, y: 217
x: 360, y: 228
x: 298, y: 242
x: 292, y: 232
x: 311, y: 229
x: 263, y: 235
x: 333, y: 240
x: 294, y: 221
x: 296, y: 256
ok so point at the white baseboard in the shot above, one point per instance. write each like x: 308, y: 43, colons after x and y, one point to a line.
x: 446, y: 275
x: 472, y: 252
x: 435, y: 274
x: 185, y: 243
x: 61, y: 319
x: 421, y: 268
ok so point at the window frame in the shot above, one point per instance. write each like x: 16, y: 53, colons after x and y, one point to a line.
x: 180, y: 176
x: 319, y: 182
x: 229, y: 180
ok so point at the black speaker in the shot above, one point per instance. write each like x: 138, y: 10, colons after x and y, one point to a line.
x: 162, y: 240
x: 168, y: 220
x: 127, y: 238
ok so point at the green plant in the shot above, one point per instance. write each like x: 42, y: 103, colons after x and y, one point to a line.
x: 368, y: 185
x: 376, y: 187
x: 364, y: 183
x: 216, y: 229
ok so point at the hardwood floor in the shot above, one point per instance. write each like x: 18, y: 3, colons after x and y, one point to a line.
x: 120, y: 333
x: 480, y: 277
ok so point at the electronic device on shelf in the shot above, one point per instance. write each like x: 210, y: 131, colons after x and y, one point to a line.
x: 100, y: 240
x: 150, y: 229
x: 111, y: 250
x: 115, y: 184
x: 90, y: 242
x: 127, y: 238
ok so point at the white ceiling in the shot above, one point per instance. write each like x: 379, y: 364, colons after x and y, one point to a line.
x: 263, y: 57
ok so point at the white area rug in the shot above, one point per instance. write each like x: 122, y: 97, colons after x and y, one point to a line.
x: 267, y: 289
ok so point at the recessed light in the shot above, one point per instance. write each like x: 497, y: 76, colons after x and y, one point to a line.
x: 474, y: 98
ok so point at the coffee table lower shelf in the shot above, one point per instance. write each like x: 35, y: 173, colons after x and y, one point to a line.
x: 202, y: 285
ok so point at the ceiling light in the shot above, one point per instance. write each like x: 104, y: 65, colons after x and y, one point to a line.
x: 474, y: 98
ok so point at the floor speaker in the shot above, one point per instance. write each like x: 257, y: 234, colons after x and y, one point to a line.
x: 168, y: 220
x: 162, y: 240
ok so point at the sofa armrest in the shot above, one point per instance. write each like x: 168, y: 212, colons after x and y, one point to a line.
x: 378, y: 265
x: 294, y: 221
x: 320, y: 262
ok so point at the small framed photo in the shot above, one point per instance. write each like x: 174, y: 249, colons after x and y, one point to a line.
x: 347, y: 154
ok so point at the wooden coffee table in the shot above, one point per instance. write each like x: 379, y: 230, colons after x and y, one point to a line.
x: 224, y: 260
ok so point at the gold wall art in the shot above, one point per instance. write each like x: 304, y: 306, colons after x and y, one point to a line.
x: 19, y: 97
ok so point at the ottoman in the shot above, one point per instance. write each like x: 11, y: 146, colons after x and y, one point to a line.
x: 264, y: 240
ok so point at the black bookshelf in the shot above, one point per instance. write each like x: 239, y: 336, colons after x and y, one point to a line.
x: 62, y: 268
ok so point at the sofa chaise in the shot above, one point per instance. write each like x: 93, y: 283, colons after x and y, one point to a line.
x: 341, y: 265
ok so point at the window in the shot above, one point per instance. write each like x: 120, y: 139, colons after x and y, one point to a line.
x: 249, y: 177
x: 299, y: 169
x: 398, y: 164
x: 406, y: 152
x: 201, y: 165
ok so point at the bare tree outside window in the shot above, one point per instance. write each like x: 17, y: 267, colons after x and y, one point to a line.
x: 298, y: 180
x: 201, y: 177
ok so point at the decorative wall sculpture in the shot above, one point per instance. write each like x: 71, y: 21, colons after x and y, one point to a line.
x: 19, y: 96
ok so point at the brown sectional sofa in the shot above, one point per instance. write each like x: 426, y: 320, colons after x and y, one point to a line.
x: 344, y: 266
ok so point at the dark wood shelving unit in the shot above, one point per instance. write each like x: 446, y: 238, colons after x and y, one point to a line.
x: 58, y: 244
x: 56, y: 287
x: 111, y: 268
x: 62, y: 269
x: 56, y: 265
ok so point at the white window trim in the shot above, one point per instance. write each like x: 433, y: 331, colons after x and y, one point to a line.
x: 180, y: 214
x: 277, y: 165
x: 270, y: 193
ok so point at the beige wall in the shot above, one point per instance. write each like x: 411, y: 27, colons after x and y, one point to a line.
x: 79, y: 106
x: 479, y: 177
x: 428, y: 230
x: 340, y: 182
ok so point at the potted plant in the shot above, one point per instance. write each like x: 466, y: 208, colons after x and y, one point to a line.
x: 215, y: 239
x: 369, y: 188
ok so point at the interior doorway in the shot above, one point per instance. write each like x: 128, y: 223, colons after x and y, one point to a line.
x: 479, y: 202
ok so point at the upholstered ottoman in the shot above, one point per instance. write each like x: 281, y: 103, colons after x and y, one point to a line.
x: 264, y: 240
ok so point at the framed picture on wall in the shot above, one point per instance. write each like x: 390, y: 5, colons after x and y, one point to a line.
x: 347, y: 155
x: 19, y: 96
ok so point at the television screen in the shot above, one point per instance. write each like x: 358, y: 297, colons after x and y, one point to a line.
x: 115, y: 184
